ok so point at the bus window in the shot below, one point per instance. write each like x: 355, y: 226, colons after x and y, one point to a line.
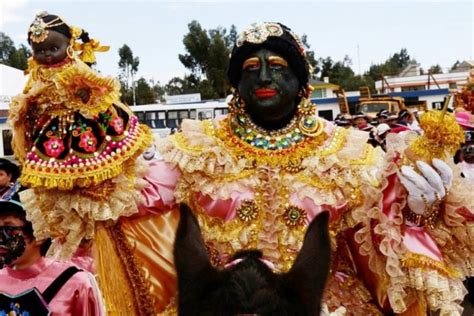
x: 7, y: 142
x: 183, y: 115
x: 172, y: 121
x: 192, y: 114
x: 205, y: 114
x: 141, y: 117
x: 222, y: 111
x: 160, y: 122
x: 150, y: 119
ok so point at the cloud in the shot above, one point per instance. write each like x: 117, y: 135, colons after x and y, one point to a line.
x: 9, y: 11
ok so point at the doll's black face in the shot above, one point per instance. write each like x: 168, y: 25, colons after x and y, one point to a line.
x: 52, y: 50
x: 269, y: 88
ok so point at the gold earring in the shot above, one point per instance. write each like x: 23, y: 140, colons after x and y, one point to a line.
x: 236, y: 104
x: 70, y: 52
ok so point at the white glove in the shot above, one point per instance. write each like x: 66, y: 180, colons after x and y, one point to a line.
x: 428, y: 187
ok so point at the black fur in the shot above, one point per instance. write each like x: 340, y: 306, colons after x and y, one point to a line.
x: 249, y: 287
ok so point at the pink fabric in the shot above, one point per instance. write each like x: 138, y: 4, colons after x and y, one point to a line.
x: 83, y: 258
x: 268, y: 263
x: 417, y: 240
x: 78, y: 297
x: 159, y: 194
x: 224, y: 209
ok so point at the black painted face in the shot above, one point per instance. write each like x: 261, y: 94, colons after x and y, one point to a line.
x: 12, y: 244
x: 269, y: 88
x: 52, y: 50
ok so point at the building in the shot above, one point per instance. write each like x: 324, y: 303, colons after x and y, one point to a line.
x: 411, y: 79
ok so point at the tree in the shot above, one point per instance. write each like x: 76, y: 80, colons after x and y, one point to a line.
x: 231, y: 38
x: 129, y: 67
x: 455, y: 65
x: 313, y: 63
x: 392, y: 66
x: 11, y: 56
x: 436, y: 69
x: 207, y: 57
x: 326, y: 66
x: 144, y: 92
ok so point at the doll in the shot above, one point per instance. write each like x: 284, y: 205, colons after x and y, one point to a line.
x: 76, y: 142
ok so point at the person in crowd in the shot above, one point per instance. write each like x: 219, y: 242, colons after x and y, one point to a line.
x: 382, y: 116
x: 400, y: 123
x: 361, y: 122
x: 31, y: 284
x: 343, y: 120
x: 381, y: 131
x: 9, y: 172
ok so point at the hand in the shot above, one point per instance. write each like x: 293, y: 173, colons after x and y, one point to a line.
x: 428, y: 187
x: 84, y: 94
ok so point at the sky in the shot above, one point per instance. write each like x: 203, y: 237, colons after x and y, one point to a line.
x: 369, y: 32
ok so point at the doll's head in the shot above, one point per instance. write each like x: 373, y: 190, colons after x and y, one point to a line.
x: 51, y: 39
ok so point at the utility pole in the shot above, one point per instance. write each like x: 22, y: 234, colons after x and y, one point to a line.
x: 358, y: 59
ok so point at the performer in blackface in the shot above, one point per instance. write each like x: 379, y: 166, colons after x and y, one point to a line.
x: 401, y: 223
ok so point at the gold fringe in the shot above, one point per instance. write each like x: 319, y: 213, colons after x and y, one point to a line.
x: 68, y: 178
x: 121, y: 281
x: 414, y: 260
x: 112, y: 278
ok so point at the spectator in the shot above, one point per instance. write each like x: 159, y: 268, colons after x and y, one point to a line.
x: 9, y: 172
x: 361, y: 121
x: 382, y: 131
x: 31, y: 284
x: 382, y: 116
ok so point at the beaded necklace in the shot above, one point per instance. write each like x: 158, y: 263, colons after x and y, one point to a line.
x: 286, y: 147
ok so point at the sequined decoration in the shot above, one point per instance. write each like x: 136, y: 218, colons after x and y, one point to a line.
x: 39, y: 28
x: 213, y: 255
x: 258, y: 33
x: 294, y: 216
x: 248, y: 211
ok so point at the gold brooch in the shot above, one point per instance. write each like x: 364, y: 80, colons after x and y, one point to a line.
x: 39, y: 28
x: 294, y: 216
x: 248, y: 210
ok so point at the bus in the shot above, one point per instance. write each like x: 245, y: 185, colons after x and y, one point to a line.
x: 164, y: 119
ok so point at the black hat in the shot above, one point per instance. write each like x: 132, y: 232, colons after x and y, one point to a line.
x: 383, y: 113
x: 10, y: 200
x: 275, y: 37
x: 10, y: 168
x: 403, y: 113
x: 360, y: 115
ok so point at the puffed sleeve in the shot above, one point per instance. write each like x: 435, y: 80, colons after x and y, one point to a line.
x: 158, y: 195
x: 87, y: 297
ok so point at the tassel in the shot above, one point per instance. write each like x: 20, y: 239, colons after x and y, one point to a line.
x: 112, y: 277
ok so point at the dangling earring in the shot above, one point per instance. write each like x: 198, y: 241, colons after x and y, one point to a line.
x: 236, y: 104
x: 70, y: 52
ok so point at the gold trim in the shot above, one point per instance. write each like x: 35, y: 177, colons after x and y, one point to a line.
x: 415, y: 260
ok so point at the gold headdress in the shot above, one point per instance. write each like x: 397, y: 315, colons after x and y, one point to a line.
x: 39, y: 28
x: 39, y: 33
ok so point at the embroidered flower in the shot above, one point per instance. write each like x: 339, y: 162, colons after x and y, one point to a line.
x: 54, y: 147
x: 117, y: 123
x: 88, y: 142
